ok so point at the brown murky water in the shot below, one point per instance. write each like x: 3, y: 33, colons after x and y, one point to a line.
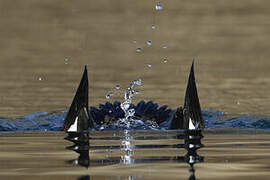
x: 226, y: 156
x: 45, y: 44
x: 229, y: 40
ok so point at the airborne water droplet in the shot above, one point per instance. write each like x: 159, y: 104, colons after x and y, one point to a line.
x: 117, y: 87
x: 125, y: 105
x: 137, y: 82
x: 149, y: 43
x: 149, y: 65
x: 139, y: 50
x: 66, y: 60
x: 109, y: 95
x: 40, y: 79
x: 165, y: 60
x: 153, y: 26
x: 159, y: 7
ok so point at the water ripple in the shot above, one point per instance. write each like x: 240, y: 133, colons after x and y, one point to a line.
x: 53, y: 121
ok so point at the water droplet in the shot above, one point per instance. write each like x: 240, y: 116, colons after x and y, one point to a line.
x: 40, y: 78
x: 131, y: 112
x: 125, y: 105
x: 165, y: 60
x: 153, y: 26
x: 66, y: 60
x: 159, y: 7
x: 164, y: 46
x: 139, y: 50
x: 110, y: 111
x: 149, y: 65
x: 117, y: 87
x: 109, y: 95
x: 134, y: 41
x: 137, y: 82
x: 149, y: 43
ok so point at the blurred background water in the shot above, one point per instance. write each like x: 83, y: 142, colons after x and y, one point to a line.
x: 45, y: 44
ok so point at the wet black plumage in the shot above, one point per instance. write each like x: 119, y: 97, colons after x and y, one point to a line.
x: 111, y: 112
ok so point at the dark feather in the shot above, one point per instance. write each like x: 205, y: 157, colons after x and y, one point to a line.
x: 79, y: 105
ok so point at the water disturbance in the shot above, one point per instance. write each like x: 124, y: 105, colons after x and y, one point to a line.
x: 126, y: 143
x: 159, y: 7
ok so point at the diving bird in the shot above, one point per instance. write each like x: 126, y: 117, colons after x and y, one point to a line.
x: 80, y: 118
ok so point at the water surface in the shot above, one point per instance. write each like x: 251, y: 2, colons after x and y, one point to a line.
x: 33, y: 155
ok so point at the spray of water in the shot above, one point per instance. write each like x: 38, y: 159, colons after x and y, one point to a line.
x: 125, y: 105
x: 126, y: 145
x: 127, y: 148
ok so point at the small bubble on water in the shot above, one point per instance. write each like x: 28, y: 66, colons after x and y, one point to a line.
x: 165, y: 60
x: 109, y: 95
x: 153, y: 26
x: 159, y: 7
x: 117, y: 87
x: 149, y: 43
x: 164, y: 46
x: 149, y: 65
x: 138, y: 50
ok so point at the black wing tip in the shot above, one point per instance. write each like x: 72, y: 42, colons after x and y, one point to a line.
x: 192, y: 104
x: 191, y: 107
x: 191, y: 73
x: 80, y: 101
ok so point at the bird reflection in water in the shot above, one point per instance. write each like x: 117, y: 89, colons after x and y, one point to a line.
x: 186, y: 122
x: 81, y: 146
x: 192, y: 142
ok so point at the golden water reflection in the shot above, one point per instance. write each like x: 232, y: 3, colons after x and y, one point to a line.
x: 191, y: 143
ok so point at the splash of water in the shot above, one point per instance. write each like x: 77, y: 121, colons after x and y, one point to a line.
x: 127, y: 148
x: 109, y: 95
x: 125, y: 106
x: 159, y: 7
